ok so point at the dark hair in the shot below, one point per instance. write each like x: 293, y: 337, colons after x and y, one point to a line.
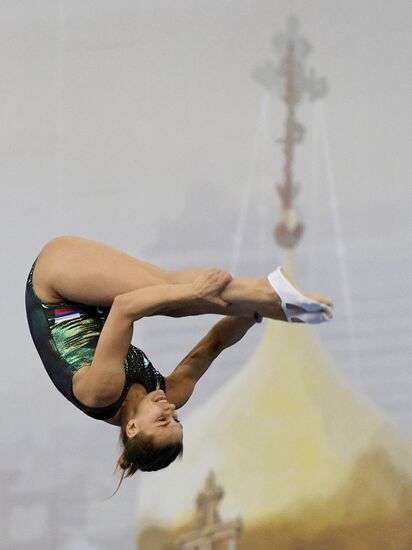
x: 140, y: 453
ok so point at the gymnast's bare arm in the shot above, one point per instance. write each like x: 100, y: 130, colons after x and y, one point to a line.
x: 227, y: 332
x: 101, y: 383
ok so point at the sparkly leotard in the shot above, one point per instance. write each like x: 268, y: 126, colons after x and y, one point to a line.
x: 66, y: 336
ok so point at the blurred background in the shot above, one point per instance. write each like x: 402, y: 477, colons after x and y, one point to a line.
x: 154, y: 126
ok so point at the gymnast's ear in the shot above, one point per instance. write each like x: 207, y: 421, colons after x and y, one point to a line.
x: 132, y: 428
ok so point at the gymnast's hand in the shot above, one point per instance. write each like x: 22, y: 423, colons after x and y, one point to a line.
x: 209, y: 284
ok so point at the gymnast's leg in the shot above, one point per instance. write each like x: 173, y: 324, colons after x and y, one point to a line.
x: 89, y: 272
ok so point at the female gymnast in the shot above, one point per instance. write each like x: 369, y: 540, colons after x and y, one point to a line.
x: 82, y: 299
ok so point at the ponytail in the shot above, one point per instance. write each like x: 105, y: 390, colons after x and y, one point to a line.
x: 140, y: 453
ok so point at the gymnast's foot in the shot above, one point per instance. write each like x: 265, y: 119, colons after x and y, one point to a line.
x: 296, y: 306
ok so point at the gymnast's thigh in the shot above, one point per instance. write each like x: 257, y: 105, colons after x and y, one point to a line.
x: 89, y: 272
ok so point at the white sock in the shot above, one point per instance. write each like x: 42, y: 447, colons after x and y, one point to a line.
x: 313, y: 311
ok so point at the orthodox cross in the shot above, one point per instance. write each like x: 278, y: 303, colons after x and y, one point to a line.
x: 291, y: 80
x: 211, y: 530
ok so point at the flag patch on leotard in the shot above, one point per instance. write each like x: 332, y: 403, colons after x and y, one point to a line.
x: 65, y: 314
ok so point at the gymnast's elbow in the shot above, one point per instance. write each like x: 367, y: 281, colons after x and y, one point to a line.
x: 124, y: 307
x: 120, y: 307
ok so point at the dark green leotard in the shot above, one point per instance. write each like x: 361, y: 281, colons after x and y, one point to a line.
x: 66, y: 336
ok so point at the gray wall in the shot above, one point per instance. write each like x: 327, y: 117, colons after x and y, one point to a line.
x: 139, y: 124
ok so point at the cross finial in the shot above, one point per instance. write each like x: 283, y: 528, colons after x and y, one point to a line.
x: 211, y: 531
x: 208, y: 502
x: 292, y: 80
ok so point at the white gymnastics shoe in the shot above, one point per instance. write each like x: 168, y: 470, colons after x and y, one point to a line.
x: 297, y: 307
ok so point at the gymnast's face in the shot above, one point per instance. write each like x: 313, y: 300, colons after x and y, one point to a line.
x: 157, y: 418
